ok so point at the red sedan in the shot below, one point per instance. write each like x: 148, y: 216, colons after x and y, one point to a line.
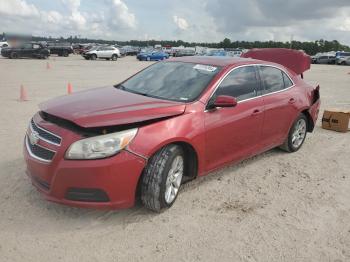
x: 169, y: 123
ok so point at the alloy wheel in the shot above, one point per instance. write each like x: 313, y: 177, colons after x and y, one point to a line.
x: 174, y: 179
x: 299, y: 133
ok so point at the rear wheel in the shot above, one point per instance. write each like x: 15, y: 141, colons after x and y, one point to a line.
x: 13, y: 55
x: 148, y: 58
x: 65, y: 53
x: 162, y: 178
x: 114, y: 57
x: 296, y: 135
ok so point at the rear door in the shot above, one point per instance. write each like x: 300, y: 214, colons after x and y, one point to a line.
x: 109, y: 52
x: 234, y: 133
x: 27, y: 50
x: 36, y: 48
x: 279, y: 100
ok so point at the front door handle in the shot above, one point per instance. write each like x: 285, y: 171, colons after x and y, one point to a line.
x: 291, y: 101
x: 256, y: 112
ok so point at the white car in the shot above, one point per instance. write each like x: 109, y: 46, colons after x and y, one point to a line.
x: 103, y: 52
x: 3, y: 44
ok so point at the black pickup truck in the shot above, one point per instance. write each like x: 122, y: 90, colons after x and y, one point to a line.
x: 35, y: 50
x: 60, y: 49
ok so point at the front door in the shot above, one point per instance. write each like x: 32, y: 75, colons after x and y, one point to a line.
x: 233, y: 134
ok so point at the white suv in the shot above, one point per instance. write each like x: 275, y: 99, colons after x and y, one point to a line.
x: 104, y: 52
x: 3, y: 44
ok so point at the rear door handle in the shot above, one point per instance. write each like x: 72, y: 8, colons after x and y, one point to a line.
x: 291, y: 101
x: 256, y: 112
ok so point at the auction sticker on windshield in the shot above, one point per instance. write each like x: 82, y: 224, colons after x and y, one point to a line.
x: 205, y: 67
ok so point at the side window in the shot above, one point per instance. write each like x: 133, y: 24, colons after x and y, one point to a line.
x: 36, y: 46
x: 287, y: 81
x: 241, y: 83
x: 272, y: 78
x: 27, y: 46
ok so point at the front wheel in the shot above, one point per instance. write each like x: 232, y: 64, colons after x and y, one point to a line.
x: 93, y: 57
x: 296, y: 135
x: 162, y: 178
x: 13, y: 55
x: 148, y: 58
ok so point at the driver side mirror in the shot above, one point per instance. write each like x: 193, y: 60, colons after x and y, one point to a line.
x: 223, y: 101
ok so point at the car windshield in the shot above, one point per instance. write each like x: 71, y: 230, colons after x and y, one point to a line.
x: 175, y: 81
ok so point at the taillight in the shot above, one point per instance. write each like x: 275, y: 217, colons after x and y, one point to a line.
x: 316, y: 94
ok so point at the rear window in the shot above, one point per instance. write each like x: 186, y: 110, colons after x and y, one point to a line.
x: 274, y: 79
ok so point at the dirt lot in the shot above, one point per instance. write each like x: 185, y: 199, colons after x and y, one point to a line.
x: 273, y: 207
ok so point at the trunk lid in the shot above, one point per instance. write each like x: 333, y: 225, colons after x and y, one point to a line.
x: 295, y: 60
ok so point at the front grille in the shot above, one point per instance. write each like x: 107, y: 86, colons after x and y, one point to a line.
x: 45, y: 135
x: 39, y: 152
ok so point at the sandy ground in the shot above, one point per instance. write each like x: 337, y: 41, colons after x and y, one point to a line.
x: 273, y: 207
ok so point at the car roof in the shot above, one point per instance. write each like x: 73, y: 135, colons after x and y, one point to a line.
x: 222, y: 61
x: 227, y: 61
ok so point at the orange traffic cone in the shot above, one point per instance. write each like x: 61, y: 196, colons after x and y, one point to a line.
x: 23, y: 94
x: 48, y: 65
x: 69, y: 89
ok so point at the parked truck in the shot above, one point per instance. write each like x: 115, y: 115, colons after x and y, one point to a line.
x: 60, y: 49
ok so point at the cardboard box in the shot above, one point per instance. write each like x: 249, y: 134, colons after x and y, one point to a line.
x: 336, y: 119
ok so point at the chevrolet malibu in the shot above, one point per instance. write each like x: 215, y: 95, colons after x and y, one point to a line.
x: 171, y: 122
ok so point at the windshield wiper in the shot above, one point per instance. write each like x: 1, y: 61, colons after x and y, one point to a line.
x: 137, y: 92
x: 122, y: 87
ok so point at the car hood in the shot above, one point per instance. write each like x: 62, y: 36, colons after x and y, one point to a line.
x: 109, y: 106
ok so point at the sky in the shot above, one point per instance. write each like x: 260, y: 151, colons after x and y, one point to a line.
x: 188, y: 20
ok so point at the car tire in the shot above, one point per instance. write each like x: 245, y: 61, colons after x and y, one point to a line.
x: 343, y: 63
x: 162, y: 178
x: 296, y: 135
x: 93, y: 57
x: 114, y: 57
x: 148, y: 58
x: 13, y: 55
x: 65, y: 53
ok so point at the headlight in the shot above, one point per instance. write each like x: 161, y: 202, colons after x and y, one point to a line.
x: 100, y: 146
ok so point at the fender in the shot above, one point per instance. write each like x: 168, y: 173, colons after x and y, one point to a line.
x: 151, y: 138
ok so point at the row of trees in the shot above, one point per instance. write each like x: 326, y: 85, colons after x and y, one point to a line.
x: 310, y: 48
